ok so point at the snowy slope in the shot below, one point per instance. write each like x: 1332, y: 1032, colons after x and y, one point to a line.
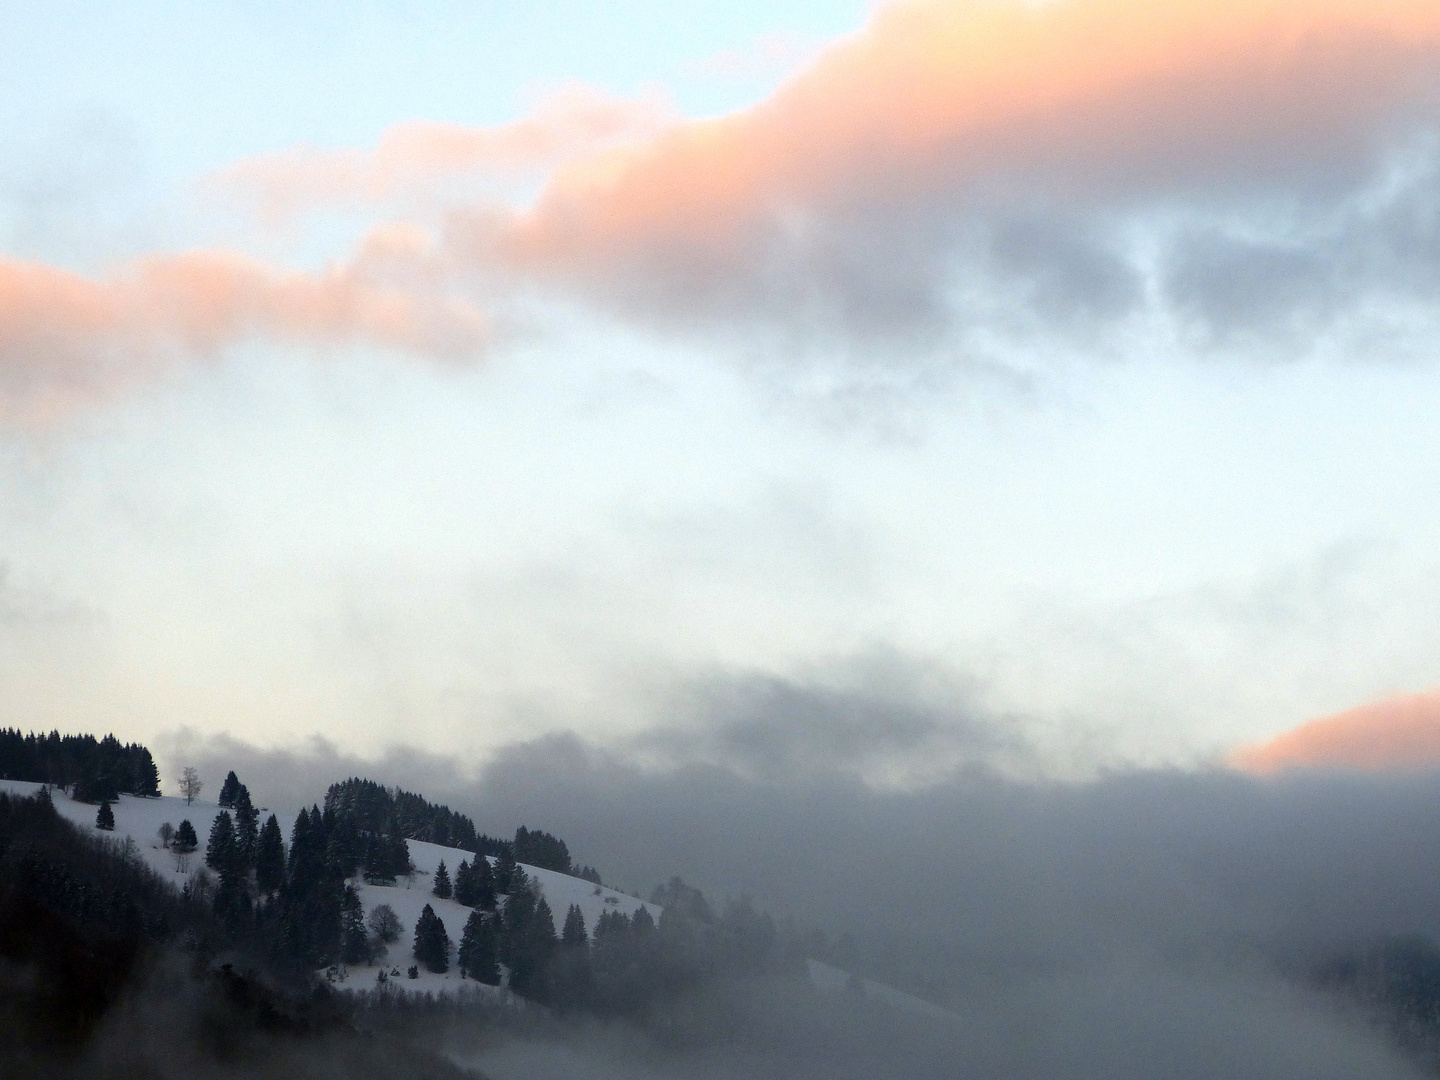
x: 408, y: 898
x: 140, y: 819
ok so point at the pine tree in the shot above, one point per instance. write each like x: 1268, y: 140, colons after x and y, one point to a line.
x: 185, y: 838
x: 146, y: 776
x: 270, y: 858
x: 354, y: 946
x: 478, y: 956
x: 311, y: 896
x: 484, y: 884
x: 442, y: 882
x: 464, y: 884
x: 642, y: 922
x: 247, y: 831
x: 573, y: 936
x: 506, y: 872
x: 220, y: 851
x: 532, y: 946
x: 432, y: 944
x: 229, y: 790
x: 105, y: 818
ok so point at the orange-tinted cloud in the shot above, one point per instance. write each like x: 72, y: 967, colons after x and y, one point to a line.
x: 573, y: 121
x: 64, y: 336
x: 1072, y: 97
x: 1398, y: 733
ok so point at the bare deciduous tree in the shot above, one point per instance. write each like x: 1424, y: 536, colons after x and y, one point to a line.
x: 384, y: 923
x: 190, y: 784
x: 167, y: 833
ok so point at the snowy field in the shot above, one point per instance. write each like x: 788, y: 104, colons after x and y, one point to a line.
x: 140, y: 820
x: 408, y: 897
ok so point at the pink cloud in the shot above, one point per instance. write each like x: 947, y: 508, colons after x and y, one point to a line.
x: 409, y: 156
x: 1071, y: 97
x: 1395, y: 734
x: 828, y: 195
x: 64, y: 336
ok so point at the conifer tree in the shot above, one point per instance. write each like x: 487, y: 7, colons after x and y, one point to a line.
x: 247, y: 830
x: 642, y: 922
x: 220, y: 851
x: 354, y: 946
x: 270, y: 858
x: 478, y: 956
x: 229, y: 790
x: 105, y: 818
x: 311, y: 896
x: 484, y: 884
x: 506, y: 872
x: 185, y: 838
x: 432, y: 944
x: 532, y: 944
x: 464, y: 884
x: 442, y: 882
x: 573, y: 936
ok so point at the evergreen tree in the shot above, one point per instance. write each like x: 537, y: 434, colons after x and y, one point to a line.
x: 432, y: 944
x: 220, y: 851
x: 270, y: 858
x: 642, y: 922
x: 478, y: 949
x: 247, y: 830
x: 354, y: 946
x: 145, y: 776
x: 229, y: 790
x: 540, y: 849
x: 464, y: 884
x: 484, y: 879
x: 185, y: 838
x: 532, y: 948
x: 442, y: 882
x: 105, y: 819
x: 506, y: 872
x: 573, y: 936
x: 311, y: 896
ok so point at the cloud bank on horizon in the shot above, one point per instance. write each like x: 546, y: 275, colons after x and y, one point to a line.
x: 1395, y: 734
x: 954, y: 173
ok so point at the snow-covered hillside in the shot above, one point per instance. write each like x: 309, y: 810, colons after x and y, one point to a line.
x: 408, y: 898
x: 140, y: 820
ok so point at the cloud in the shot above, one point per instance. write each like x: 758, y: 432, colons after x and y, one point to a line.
x: 1400, y: 733
x: 876, y: 716
x: 955, y: 179
x: 1130, y: 925
x: 918, y: 141
x: 411, y: 156
x: 65, y: 337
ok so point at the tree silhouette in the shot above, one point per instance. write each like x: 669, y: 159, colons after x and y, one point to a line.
x: 432, y: 944
x: 478, y: 949
x: 190, y: 784
x: 573, y: 935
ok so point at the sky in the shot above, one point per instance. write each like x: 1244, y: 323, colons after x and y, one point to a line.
x: 900, y: 388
